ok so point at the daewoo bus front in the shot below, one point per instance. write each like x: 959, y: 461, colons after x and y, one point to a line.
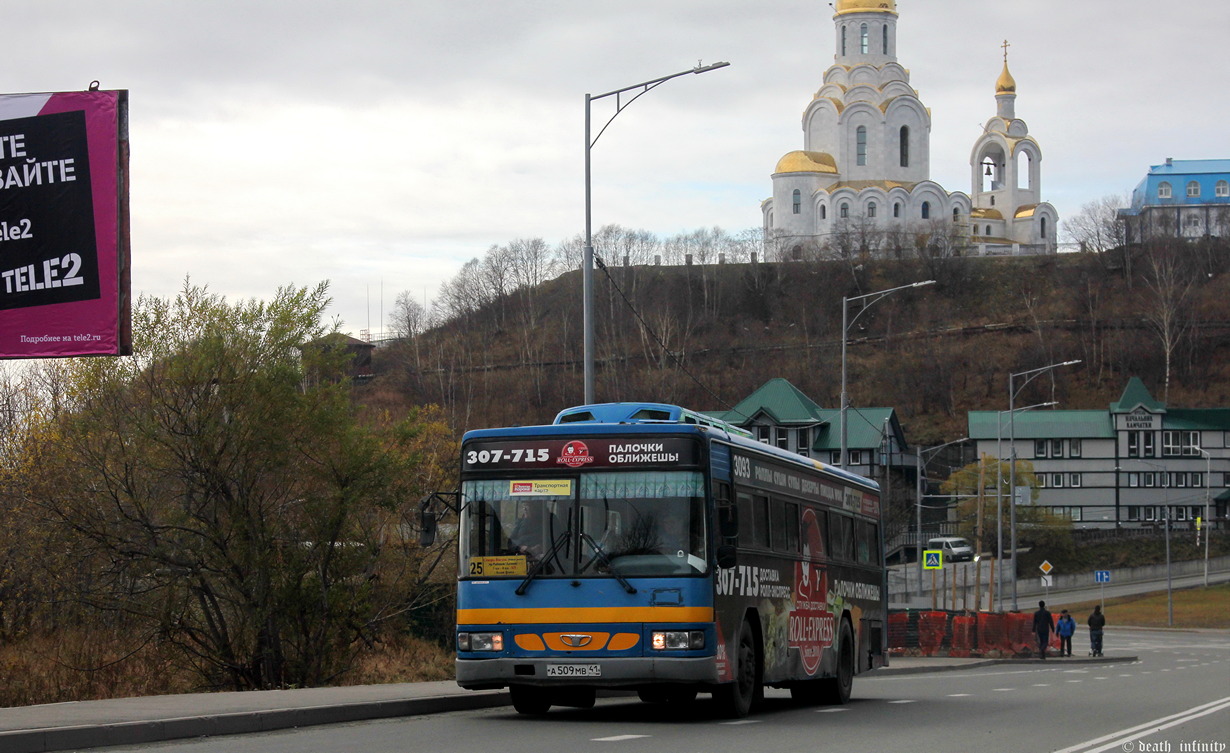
x: 585, y: 562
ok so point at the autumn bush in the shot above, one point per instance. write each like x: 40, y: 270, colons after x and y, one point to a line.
x: 218, y: 500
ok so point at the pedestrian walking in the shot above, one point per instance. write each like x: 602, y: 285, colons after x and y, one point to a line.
x: 1044, y: 625
x: 1097, y: 623
x: 1064, y: 628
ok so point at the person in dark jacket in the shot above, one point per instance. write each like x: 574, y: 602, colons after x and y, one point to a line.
x: 1064, y: 628
x: 1044, y: 625
x: 1097, y: 623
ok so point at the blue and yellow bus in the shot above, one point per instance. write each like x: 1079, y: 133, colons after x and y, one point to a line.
x: 645, y: 547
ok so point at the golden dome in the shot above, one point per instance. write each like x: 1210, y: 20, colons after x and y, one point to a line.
x: 1006, y: 83
x: 806, y: 162
x: 866, y: 6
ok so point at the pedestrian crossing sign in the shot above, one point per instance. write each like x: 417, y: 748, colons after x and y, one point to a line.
x: 933, y: 559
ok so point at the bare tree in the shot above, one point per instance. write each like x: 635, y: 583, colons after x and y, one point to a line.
x: 1170, y: 284
x: 1097, y: 227
x: 409, y: 316
x: 569, y: 253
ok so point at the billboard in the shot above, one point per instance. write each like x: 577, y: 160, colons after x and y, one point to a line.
x: 64, y: 245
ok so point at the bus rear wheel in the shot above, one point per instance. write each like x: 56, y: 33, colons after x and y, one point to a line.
x: 527, y: 699
x: 837, y: 689
x: 735, y: 699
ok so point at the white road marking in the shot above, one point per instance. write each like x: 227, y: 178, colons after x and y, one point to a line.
x: 958, y: 695
x: 742, y: 721
x: 830, y: 711
x: 617, y: 738
x: 905, y: 701
x: 1121, y: 738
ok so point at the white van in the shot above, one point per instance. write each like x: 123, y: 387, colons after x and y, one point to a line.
x: 955, y: 548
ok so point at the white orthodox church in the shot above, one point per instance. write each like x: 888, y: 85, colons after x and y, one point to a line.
x: 866, y: 158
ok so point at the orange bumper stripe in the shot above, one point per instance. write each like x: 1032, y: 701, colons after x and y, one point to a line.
x: 583, y: 615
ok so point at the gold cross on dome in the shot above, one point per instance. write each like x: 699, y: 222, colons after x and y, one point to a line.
x: 1005, y: 45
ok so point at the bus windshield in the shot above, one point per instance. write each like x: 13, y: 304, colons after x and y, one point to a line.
x: 632, y: 524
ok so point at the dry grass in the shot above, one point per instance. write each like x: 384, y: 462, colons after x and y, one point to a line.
x: 76, y: 665
x: 404, y: 658
x: 1193, y: 608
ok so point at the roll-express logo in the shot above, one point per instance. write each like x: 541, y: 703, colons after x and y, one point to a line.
x: 575, y: 455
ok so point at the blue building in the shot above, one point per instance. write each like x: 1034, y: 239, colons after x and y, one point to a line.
x: 1181, y: 199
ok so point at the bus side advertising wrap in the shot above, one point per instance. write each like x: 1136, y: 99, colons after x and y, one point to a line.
x: 64, y: 274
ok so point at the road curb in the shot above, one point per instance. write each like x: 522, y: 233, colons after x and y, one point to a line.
x: 895, y: 671
x: 236, y: 723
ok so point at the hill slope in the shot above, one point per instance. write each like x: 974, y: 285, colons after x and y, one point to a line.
x: 933, y: 353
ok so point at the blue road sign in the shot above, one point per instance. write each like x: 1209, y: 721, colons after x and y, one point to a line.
x: 1101, y: 576
x: 933, y: 559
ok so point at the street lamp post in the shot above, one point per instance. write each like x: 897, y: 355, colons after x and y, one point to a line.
x: 587, y: 264
x: 999, y: 496
x: 1208, y: 474
x: 920, y: 465
x: 845, y: 329
x: 1012, y: 393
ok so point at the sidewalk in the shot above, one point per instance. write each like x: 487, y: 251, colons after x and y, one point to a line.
x: 135, y: 721
x: 1028, y: 594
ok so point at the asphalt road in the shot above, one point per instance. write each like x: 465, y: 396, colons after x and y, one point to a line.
x: 1176, y: 698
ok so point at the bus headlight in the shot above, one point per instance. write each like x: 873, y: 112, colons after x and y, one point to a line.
x: 480, y: 641
x: 678, y: 640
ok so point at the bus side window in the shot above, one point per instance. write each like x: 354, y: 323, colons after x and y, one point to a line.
x: 841, y: 537
x: 785, y: 526
x: 760, y: 511
x: 778, y: 528
x: 815, y: 531
x: 865, y: 536
x: 792, y: 527
x: 747, y: 520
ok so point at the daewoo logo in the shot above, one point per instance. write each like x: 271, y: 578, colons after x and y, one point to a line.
x: 575, y: 455
x: 576, y: 640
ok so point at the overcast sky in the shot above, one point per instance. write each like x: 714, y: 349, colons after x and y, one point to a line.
x: 384, y: 143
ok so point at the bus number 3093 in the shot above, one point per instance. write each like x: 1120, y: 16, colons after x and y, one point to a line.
x: 742, y: 467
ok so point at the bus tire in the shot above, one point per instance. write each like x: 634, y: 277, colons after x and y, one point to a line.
x: 735, y: 699
x: 837, y: 689
x: 527, y: 699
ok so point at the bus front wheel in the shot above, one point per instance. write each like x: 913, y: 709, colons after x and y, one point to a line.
x: 735, y: 699
x: 527, y: 699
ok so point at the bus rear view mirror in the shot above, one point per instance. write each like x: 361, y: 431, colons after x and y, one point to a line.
x: 726, y: 557
x: 427, y: 528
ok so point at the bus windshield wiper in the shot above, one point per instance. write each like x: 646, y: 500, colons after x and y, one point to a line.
x: 542, y: 563
x: 600, y: 553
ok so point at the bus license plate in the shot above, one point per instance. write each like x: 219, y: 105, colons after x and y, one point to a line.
x: 574, y: 670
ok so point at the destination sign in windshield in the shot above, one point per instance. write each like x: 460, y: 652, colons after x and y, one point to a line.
x: 579, y: 454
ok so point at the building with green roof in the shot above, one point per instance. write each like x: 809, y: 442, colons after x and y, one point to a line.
x: 1124, y: 466
x: 778, y: 413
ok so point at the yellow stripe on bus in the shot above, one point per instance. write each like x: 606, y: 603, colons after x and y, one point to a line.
x: 583, y: 615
